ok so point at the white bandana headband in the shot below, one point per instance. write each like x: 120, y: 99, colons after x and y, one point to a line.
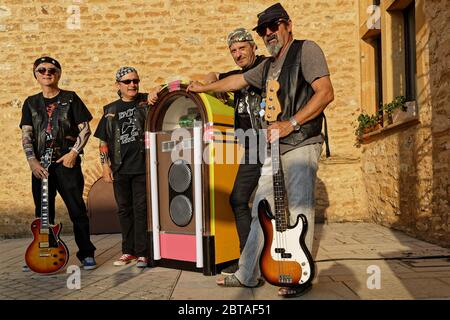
x: 123, y: 71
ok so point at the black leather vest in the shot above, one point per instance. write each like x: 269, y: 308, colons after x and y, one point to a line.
x: 113, y: 130
x: 252, y: 96
x: 294, y: 94
x: 64, y: 130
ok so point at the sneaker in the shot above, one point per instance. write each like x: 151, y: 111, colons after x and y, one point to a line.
x: 230, y: 270
x: 25, y: 268
x: 124, y: 259
x: 89, y: 263
x: 142, y: 262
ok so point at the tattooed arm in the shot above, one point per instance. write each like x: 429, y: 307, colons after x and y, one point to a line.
x: 83, y: 136
x: 70, y: 158
x: 105, y: 161
x: 27, y: 144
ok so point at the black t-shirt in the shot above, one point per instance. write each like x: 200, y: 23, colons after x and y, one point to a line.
x: 133, y: 159
x: 243, y: 114
x: 77, y: 114
x: 243, y: 109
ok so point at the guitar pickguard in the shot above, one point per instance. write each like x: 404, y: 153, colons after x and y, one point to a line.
x: 293, y: 253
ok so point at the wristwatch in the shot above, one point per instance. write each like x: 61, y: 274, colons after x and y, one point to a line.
x: 294, y: 123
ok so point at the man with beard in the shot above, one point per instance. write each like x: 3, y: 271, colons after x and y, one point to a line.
x: 305, y: 91
x: 246, y: 124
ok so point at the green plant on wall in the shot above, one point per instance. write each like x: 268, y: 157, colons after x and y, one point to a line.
x: 366, y: 123
x: 397, y: 103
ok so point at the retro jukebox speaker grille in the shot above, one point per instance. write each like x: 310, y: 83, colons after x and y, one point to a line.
x: 180, y: 184
x: 181, y: 210
x: 180, y: 176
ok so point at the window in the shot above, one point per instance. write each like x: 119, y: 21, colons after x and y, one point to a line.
x: 409, y: 18
x: 378, y: 76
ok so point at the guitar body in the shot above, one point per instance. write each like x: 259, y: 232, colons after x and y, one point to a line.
x: 285, y: 260
x: 47, y: 253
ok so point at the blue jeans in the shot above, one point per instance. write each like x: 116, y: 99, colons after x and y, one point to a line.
x: 300, y: 169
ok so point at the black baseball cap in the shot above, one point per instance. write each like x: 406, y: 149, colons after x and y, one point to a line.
x: 272, y: 13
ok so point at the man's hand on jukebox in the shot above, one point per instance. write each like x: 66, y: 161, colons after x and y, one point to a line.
x: 153, y: 95
x: 196, y: 86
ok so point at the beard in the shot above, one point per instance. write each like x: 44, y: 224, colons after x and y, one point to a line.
x: 273, y: 48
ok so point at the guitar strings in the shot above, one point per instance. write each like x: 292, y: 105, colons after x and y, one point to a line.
x: 280, y: 220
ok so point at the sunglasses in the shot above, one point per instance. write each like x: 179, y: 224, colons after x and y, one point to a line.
x: 43, y: 70
x: 128, y: 81
x: 273, y: 27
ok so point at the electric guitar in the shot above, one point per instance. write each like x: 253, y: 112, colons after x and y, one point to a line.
x: 285, y: 260
x: 47, y: 253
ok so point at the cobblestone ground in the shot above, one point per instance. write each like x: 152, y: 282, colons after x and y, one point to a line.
x: 347, y: 255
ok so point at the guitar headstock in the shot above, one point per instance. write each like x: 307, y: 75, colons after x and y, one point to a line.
x: 273, y: 108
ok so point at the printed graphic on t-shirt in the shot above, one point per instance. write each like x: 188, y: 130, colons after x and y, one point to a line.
x: 50, y: 108
x: 129, y: 131
x: 244, y: 105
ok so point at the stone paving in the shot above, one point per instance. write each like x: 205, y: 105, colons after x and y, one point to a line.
x: 345, y: 254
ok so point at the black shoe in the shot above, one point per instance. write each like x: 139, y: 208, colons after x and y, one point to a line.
x: 230, y: 270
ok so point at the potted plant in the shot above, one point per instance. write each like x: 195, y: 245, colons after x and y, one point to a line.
x: 366, y: 123
x: 397, y: 105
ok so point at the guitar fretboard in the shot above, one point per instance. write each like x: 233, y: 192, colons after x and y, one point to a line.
x: 44, y: 206
x: 279, y: 189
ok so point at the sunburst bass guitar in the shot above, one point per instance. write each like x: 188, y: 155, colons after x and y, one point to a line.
x: 285, y: 260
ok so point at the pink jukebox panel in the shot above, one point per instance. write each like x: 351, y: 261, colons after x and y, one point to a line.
x: 177, y: 247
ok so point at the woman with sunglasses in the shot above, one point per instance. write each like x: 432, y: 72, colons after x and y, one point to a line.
x: 58, y: 119
x: 122, y: 155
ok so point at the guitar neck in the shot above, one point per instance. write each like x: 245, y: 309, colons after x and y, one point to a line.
x: 279, y: 189
x: 44, y: 206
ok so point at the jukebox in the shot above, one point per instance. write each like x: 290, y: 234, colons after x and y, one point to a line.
x: 192, y: 160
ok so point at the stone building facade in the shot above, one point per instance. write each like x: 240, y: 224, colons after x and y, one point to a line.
x: 405, y: 165
x: 170, y: 39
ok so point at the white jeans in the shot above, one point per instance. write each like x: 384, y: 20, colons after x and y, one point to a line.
x: 300, y: 169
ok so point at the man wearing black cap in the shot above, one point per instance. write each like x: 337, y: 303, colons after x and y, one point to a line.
x: 305, y: 91
x: 59, y: 120
x: 246, y: 124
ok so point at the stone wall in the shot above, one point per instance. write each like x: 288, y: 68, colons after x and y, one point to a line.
x: 439, y: 48
x: 164, y: 40
x: 406, y: 170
